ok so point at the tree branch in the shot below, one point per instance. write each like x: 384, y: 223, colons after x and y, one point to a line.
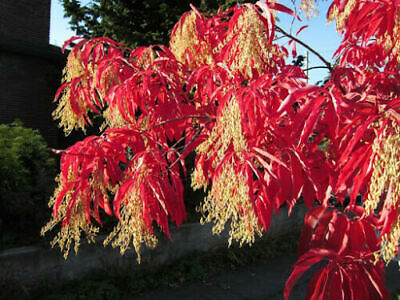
x: 328, y: 65
x: 196, y: 134
x: 179, y: 119
x: 319, y: 67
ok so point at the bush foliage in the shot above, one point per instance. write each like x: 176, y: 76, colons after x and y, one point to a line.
x: 26, y: 175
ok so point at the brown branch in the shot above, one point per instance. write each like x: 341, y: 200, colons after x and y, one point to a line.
x: 328, y: 65
x: 313, y: 68
x: 65, y: 151
x: 179, y: 119
x: 196, y: 134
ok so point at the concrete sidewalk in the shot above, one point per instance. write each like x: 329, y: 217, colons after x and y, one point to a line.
x: 262, y: 281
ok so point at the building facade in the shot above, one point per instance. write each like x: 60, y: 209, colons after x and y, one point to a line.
x: 30, y: 68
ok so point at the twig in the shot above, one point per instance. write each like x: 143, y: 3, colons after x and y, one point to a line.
x: 196, y: 134
x: 319, y: 67
x: 179, y: 119
x: 328, y: 65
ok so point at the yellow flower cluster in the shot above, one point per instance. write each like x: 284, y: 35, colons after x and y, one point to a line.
x: 251, y: 49
x: 68, y: 119
x: 71, y: 232
x: 391, y: 41
x: 228, y: 199
x: 309, y: 8
x: 341, y: 17
x: 385, y: 182
x: 74, y: 68
x: 228, y: 129
x: 112, y: 119
x: 186, y: 40
x: 390, y: 241
x: 146, y: 58
x: 131, y: 226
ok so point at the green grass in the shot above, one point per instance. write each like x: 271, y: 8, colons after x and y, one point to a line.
x: 115, y: 283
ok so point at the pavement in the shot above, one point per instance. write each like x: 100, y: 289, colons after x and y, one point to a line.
x: 261, y: 281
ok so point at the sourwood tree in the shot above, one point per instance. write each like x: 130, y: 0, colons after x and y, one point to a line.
x: 263, y: 138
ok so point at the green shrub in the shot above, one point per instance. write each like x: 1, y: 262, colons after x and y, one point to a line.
x: 26, y: 180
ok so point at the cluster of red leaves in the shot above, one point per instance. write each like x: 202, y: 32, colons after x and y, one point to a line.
x: 291, y: 139
x: 94, y: 167
x: 366, y: 86
x: 361, y: 105
x: 144, y: 88
x: 345, y: 240
x: 148, y: 80
x: 214, y: 40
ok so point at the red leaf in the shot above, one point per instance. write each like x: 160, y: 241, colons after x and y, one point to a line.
x: 271, y: 157
x: 293, y: 71
x: 315, y: 284
x: 303, y: 264
x: 356, y: 138
x: 377, y: 281
x: 60, y: 197
x: 295, y: 96
x: 301, y: 29
x: 334, y: 288
x: 357, y: 237
x: 311, y: 121
x: 308, y: 194
x: 338, y: 236
x: 282, y: 8
x: 69, y: 41
x: 120, y: 194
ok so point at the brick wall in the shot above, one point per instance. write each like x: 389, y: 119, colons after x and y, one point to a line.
x: 27, y: 85
x: 25, y: 19
x: 30, y: 68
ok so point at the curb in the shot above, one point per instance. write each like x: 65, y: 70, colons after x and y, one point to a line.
x: 35, y: 264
